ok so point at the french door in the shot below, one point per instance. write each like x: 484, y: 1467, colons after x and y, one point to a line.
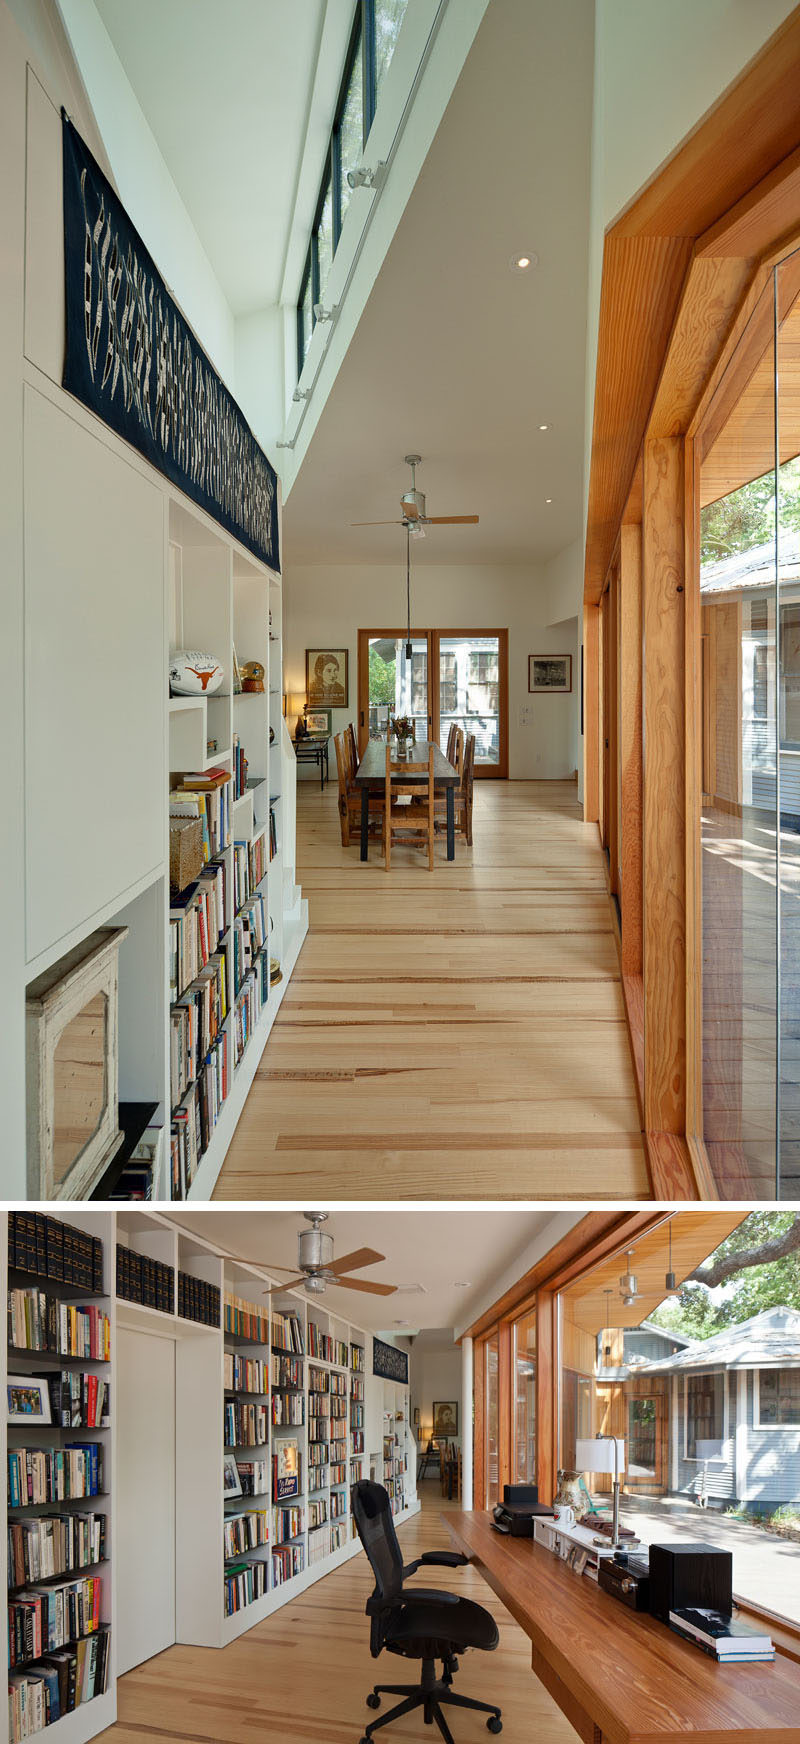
x: 450, y: 676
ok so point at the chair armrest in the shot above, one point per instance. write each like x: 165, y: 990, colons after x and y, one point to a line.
x: 430, y: 1595
x: 436, y: 1559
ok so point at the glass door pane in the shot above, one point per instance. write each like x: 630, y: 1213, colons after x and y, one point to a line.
x: 524, y: 1420
x: 788, y: 638
x: 397, y: 685
x: 492, y: 1420
x: 469, y: 692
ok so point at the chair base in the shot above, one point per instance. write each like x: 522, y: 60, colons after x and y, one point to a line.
x: 431, y: 1694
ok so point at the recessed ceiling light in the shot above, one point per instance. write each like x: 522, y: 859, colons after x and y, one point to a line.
x: 462, y: 1284
x: 544, y: 426
x: 548, y: 499
x: 521, y: 262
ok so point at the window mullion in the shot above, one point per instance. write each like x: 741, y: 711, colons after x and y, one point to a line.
x: 368, y: 63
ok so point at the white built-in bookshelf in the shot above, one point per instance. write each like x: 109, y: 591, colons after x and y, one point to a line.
x: 295, y: 1371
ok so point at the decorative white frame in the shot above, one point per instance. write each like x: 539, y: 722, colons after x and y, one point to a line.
x: 230, y: 1470
x: 769, y: 1428
x: 53, y: 1000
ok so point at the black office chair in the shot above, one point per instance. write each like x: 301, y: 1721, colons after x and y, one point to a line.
x: 417, y: 1622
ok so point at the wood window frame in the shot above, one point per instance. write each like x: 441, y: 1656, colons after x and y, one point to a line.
x: 491, y: 771
x: 682, y: 271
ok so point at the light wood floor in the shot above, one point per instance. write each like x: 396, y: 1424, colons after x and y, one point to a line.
x: 301, y: 1677
x: 454, y: 1034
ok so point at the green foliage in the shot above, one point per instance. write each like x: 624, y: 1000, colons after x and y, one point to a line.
x: 381, y: 679
x: 747, y: 517
x: 775, y: 1284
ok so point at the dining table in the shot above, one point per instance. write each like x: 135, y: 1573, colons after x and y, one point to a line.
x: 371, y: 778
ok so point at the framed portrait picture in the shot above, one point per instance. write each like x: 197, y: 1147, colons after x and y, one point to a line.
x: 550, y: 672
x: 318, y: 722
x: 27, y: 1399
x: 416, y: 1415
x: 445, y: 1418
x: 327, y: 683
x: 231, y: 1481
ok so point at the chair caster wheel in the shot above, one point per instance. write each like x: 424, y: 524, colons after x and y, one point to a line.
x: 494, y: 1724
x: 373, y: 1701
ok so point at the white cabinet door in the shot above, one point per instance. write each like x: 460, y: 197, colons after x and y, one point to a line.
x: 144, y: 1539
x: 95, y: 671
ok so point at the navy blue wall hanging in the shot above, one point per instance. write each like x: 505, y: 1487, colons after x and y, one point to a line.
x: 132, y: 358
x: 389, y: 1362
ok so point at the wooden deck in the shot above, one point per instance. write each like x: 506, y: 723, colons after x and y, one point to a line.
x: 458, y: 1034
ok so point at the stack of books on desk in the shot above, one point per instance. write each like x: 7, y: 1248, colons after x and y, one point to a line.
x: 723, y: 1636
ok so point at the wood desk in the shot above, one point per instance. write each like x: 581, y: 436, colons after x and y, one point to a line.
x: 616, y: 1674
x: 371, y: 776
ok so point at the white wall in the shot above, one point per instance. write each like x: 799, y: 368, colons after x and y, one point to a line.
x: 435, y: 1375
x: 328, y: 605
x: 658, y: 68
x: 145, y: 185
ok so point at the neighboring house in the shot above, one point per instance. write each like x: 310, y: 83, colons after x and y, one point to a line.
x: 732, y: 1413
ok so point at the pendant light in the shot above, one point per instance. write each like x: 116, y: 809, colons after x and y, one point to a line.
x: 628, y: 1284
x: 670, y: 1277
x: 607, y: 1347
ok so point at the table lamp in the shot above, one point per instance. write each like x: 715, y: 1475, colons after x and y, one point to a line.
x: 604, y: 1453
x: 297, y: 706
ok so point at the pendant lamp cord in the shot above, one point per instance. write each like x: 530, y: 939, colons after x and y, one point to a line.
x: 408, y: 593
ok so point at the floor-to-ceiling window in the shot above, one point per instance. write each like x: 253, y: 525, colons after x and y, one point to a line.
x: 449, y: 677
x: 523, y: 1421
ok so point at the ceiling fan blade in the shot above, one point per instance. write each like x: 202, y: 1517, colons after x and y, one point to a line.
x: 363, y: 1284
x: 376, y: 523
x: 452, y: 520
x: 267, y: 1265
x: 275, y: 1289
x: 354, y: 1262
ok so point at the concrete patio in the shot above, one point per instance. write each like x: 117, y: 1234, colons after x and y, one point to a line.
x: 766, y: 1568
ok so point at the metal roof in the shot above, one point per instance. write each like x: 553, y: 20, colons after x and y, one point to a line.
x: 768, y: 1340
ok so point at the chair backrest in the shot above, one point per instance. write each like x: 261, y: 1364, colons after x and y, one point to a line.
x: 350, y: 735
x: 451, y: 741
x: 457, y: 758
x: 372, y: 1512
x: 341, y: 763
x: 468, y: 769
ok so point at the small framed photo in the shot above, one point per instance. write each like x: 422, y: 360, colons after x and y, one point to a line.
x: 416, y: 1414
x: 327, y: 683
x: 231, y: 1482
x: 318, y: 721
x: 550, y: 672
x: 27, y: 1400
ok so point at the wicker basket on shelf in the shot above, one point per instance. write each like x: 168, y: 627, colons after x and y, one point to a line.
x: 185, y: 851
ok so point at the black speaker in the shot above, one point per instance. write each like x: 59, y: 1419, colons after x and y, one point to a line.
x: 689, y: 1574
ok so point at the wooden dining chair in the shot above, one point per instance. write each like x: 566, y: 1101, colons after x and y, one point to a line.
x: 350, y: 795
x: 350, y: 735
x: 407, y: 820
x: 451, y: 742
x: 457, y: 758
x: 462, y: 796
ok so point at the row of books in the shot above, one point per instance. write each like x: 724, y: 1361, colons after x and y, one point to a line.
x: 54, y: 1544
x: 142, y: 1279
x: 317, y: 1514
x: 356, y: 1388
x: 244, y: 1374
x: 49, y: 1617
x: 194, y: 1119
x: 327, y: 1349
x: 721, y: 1635
x: 196, y: 925
x: 78, y: 1400
x: 245, y: 1532
x: 319, y: 1545
x: 257, y: 860
x: 317, y: 1479
x: 288, y: 1408
x: 287, y: 1371
x: 61, y: 1682
x: 243, y: 1584
x: 357, y: 1441
x: 242, y: 887
x: 253, y: 1477
x: 239, y: 762
x: 338, y: 1504
x: 356, y: 1415
x: 319, y: 1429
x: 338, y: 1386
x: 38, y: 1321
x: 206, y: 795
x: 54, y: 1474
x: 338, y: 1470
x: 248, y: 936
x: 287, y: 1563
x: 250, y: 1004
x: 289, y: 1523
x: 246, y: 1320
x: 198, y: 1300
x: 273, y: 834
x: 195, y: 1022
x: 357, y: 1362
x: 318, y: 1453
x: 48, y: 1248
x: 338, y: 1450
x: 287, y: 1333
x: 338, y: 1535
x: 245, y: 1425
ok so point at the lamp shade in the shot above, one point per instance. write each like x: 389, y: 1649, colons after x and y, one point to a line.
x: 604, y: 1453
x: 297, y: 702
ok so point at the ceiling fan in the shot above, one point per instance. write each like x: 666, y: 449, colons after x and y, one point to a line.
x: 414, y: 515
x: 317, y: 1267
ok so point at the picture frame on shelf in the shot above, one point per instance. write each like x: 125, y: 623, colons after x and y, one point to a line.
x: 550, y: 674
x: 27, y: 1400
x: 445, y: 1419
x: 327, y: 680
x: 231, y: 1481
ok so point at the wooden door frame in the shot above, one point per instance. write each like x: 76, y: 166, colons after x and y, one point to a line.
x: 483, y: 771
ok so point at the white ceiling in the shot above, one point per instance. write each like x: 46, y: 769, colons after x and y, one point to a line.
x: 456, y: 356
x: 440, y: 1249
x: 226, y: 89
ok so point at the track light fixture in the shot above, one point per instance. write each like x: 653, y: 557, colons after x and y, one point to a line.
x: 366, y: 178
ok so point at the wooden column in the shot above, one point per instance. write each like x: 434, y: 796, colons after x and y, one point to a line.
x: 591, y: 714
x: 505, y: 1406
x: 479, y: 1441
x: 546, y: 1393
x: 630, y: 731
x: 664, y: 788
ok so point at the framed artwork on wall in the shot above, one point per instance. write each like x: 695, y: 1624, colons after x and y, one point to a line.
x: 445, y: 1418
x: 327, y: 683
x: 318, y: 721
x: 550, y: 673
